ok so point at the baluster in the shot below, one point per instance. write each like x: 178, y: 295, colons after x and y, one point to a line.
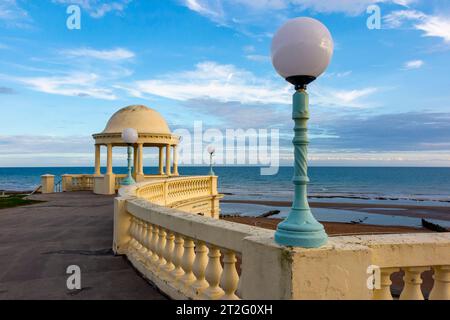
x: 384, y: 293
x: 412, y: 280
x: 186, y: 262
x: 230, y: 278
x: 136, y: 237
x: 139, y: 234
x: 441, y: 287
x: 161, y: 247
x: 200, y: 263
x: 177, y: 257
x: 155, y: 246
x: 213, y: 274
x: 169, y: 266
x: 132, y: 232
x: 143, y: 250
x: 148, y: 242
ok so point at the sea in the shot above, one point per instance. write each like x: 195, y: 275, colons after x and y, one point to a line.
x: 390, y: 185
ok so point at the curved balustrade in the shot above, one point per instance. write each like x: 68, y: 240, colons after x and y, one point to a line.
x: 194, y: 194
x: 189, y: 256
x: 165, y: 246
x: 170, y: 191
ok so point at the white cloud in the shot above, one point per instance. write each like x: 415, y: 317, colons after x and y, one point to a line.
x: 214, y: 81
x: 12, y: 14
x: 432, y: 26
x: 229, y: 11
x: 97, y: 8
x: 108, y: 55
x: 395, y: 19
x: 342, y: 74
x: 249, y: 49
x: 75, y: 84
x: 331, y: 97
x: 258, y: 58
x: 228, y: 83
x: 413, y: 64
x: 436, y: 27
x: 350, y: 7
x: 204, y: 8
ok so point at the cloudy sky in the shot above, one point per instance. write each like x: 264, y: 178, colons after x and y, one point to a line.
x: 384, y: 99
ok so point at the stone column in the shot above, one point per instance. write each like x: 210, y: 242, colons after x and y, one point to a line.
x: 168, y: 170
x: 175, y: 161
x: 135, y: 161
x: 141, y: 159
x: 109, y: 169
x: 97, y: 160
x: 48, y: 183
x: 161, y: 165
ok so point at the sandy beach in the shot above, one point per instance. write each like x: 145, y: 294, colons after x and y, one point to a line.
x: 417, y: 211
x: 332, y: 228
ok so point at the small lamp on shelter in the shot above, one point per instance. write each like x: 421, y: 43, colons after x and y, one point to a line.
x: 211, y: 151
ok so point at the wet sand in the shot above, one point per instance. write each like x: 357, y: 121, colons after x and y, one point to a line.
x: 332, y: 228
x: 416, y: 211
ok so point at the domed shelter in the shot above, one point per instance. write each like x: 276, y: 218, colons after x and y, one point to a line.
x: 153, y: 131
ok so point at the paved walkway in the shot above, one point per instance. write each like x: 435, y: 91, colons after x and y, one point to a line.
x: 38, y: 243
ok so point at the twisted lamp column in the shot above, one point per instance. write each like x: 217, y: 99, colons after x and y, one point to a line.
x: 300, y: 229
x: 129, y: 179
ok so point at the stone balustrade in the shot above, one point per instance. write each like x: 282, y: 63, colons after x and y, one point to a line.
x: 195, y: 194
x: 190, y: 256
x: 185, y: 255
x: 413, y: 255
x: 77, y: 182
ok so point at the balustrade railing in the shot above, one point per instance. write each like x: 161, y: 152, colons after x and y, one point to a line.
x: 167, y: 192
x: 412, y: 283
x: 191, y: 257
x: 77, y: 182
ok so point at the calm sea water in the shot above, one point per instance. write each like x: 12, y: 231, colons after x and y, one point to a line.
x: 417, y: 186
x: 408, y: 184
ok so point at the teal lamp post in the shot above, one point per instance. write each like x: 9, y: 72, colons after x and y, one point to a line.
x: 301, y: 51
x: 211, y: 151
x: 130, y: 137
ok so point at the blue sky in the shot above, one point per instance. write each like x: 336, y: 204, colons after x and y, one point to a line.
x: 384, y: 99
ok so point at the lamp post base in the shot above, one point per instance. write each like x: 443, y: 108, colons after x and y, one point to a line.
x: 127, y: 181
x: 301, y: 229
